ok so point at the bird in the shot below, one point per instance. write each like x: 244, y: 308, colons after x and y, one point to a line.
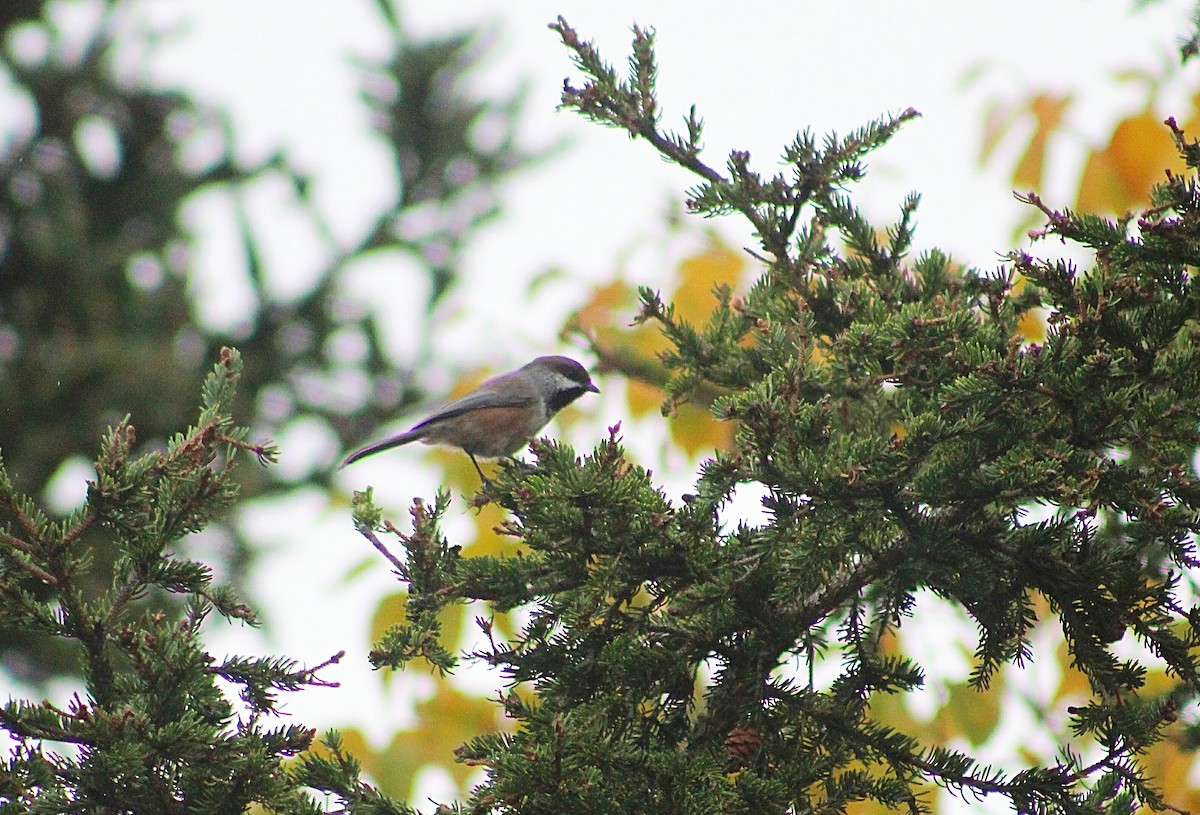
x: 501, y: 415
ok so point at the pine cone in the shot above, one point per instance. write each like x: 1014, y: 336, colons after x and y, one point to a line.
x: 743, y: 743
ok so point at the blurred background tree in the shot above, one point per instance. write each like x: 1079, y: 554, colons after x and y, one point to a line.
x: 97, y: 311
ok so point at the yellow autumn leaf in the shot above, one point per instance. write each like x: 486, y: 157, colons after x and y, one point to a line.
x: 1032, y: 326
x: 890, y: 710
x: 1075, y: 689
x: 714, y: 265
x: 353, y: 743
x: 605, y: 318
x: 1191, y: 124
x: 643, y: 398
x: 488, y: 542
x: 1047, y: 112
x: 459, y: 473
x: 392, y: 610
x: 646, y: 341
x: 889, y: 644
x: 606, y: 301
x: 694, y: 430
x: 446, y: 721
x: 1119, y: 177
x: 1171, y: 768
x: 868, y: 807
x: 1157, y: 682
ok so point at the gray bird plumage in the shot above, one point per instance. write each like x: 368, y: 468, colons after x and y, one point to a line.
x: 501, y: 415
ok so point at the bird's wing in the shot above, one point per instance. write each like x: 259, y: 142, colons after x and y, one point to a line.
x: 478, y: 400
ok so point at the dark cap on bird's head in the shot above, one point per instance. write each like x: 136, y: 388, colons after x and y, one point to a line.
x: 568, y: 379
x: 568, y: 368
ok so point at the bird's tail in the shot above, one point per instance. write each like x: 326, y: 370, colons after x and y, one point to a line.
x: 379, y: 446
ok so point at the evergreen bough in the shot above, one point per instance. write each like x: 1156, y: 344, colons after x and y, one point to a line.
x: 902, y: 430
x: 155, y: 731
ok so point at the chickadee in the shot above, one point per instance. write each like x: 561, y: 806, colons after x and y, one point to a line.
x: 499, y: 416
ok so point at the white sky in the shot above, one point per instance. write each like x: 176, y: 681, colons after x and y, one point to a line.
x: 757, y: 75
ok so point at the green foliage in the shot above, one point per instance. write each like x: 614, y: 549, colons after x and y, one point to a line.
x: 96, y: 316
x: 902, y: 432
x: 154, y: 729
x: 428, y: 553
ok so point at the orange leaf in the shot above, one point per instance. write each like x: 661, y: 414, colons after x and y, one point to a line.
x: 1119, y: 177
x: 1170, y: 767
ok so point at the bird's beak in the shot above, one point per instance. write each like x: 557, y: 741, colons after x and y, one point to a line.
x: 592, y: 387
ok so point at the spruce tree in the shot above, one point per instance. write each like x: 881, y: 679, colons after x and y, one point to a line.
x: 157, y: 727
x: 907, y: 438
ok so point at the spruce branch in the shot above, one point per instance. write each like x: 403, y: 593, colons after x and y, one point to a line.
x: 901, y: 427
x: 772, y: 206
x: 157, y: 729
